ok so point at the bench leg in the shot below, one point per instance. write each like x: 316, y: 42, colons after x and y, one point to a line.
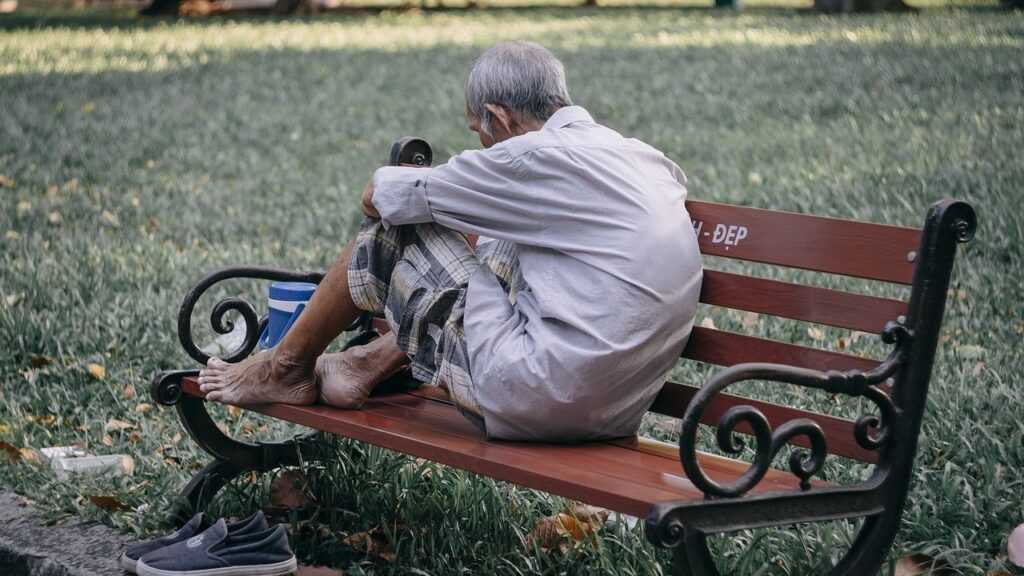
x: 231, y: 457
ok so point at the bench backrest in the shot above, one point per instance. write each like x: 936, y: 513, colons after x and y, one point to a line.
x: 833, y: 246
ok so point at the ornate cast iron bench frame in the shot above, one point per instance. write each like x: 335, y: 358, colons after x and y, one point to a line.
x: 897, y: 387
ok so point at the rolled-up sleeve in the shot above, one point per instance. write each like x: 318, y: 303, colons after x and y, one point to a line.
x: 400, y: 195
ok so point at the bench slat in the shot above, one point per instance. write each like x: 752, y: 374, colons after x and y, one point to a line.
x: 728, y: 348
x: 674, y: 397
x: 593, y: 472
x: 831, y: 245
x: 644, y: 470
x: 799, y: 302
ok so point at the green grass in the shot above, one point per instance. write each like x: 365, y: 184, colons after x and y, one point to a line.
x: 232, y: 141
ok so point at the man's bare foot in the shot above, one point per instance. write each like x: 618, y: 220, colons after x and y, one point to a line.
x: 347, y: 378
x: 261, y: 379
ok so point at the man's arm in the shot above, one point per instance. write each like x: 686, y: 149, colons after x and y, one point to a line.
x: 483, y: 192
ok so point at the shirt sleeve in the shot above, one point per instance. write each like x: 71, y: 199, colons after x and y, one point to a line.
x: 489, y: 193
x: 399, y: 195
x: 484, y: 192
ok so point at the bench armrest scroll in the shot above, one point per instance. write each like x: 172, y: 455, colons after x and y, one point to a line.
x: 870, y: 431
x: 253, y: 324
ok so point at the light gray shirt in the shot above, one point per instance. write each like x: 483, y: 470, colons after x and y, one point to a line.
x: 610, y: 273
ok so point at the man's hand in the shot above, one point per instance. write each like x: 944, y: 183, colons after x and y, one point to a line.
x: 368, y: 208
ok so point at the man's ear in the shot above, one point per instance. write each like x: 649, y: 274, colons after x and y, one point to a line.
x: 500, y: 118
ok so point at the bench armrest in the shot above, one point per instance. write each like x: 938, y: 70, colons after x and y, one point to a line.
x: 871, y: 431
x: 253, y: 324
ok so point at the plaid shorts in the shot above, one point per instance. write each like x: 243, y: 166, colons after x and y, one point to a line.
x: 416, y: 276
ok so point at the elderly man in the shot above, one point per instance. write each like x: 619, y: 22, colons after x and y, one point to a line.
x: 563, y: 322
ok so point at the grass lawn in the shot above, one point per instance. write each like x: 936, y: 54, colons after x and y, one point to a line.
x: 139, y: 154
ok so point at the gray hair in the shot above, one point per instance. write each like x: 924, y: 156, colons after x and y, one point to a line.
x: 522, y: 76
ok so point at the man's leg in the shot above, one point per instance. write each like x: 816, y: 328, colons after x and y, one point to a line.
x: 288, y: 372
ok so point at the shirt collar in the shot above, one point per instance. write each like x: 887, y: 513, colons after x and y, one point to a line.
x: 567, y: 115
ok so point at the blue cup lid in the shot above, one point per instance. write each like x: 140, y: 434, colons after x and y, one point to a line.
x: 292, y: 291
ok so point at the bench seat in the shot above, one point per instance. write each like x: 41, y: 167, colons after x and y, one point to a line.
x: 626, y: 475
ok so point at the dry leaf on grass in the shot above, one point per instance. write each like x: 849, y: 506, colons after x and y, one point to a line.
x: 40, y: 360
x: 115, y: 424
x: 97, y: 371
x: 816, y: 333
x: 564, y: 529
x: 54, y: 218
x: 6, y: 182
x: 920, y: 565
x: 143, y: 408
x: 288, y: 490
x: 13, y: 452
x: 372, y: 542
x: 108, y: 503
x: 110, y: 219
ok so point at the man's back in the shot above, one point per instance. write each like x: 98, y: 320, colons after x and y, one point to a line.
x: 610, y: 275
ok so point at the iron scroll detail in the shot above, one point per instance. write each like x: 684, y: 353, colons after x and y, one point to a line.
x: 253, y: 324
x: 870, y: 431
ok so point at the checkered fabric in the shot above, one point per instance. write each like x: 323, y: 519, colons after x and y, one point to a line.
x: 416, y: 276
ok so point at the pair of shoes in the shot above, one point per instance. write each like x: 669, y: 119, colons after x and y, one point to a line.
x: 249, y: 547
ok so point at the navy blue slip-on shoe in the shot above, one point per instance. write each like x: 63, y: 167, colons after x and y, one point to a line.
x: 217, y: 552
x: 255, y: 523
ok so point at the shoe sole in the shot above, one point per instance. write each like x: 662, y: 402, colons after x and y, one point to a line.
x: 128, y: 565
x: 278, y: 569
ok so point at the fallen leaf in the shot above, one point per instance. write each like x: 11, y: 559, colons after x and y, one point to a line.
x: 6, y: 182
x: 54, y: 218
x: 23, y: 207
x: 135, y: 437
x: 979, y: 367
x: 176, y: 438
x: 108, y: 503
x: 13, y: 452
x: 97, y: 371
x: 234, y: 411
x: 128, y: 465
x: 707, y: 322
x: 115, y: 424
x: 562, y: 530
x: 29, y: 455
x: 12, y: 299
x: 46, y: 419
x: 816, y: 333
x: 52, y: 190
x: 1015, y: 547
x: 143, y: 408
x: 107, y: 440
x: 89, y: 107
x: 135, y: 202
x: 40, y: 360
x: 12, y: 235
x: 110, y: 219
x: 128, y: 391
x: 288, y: 490
x: 372, y: 542
x: 71, y: 185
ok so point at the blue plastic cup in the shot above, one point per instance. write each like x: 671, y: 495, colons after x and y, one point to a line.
x: 287, y: 301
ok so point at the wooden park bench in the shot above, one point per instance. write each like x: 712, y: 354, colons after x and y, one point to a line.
x: 685, y: 494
